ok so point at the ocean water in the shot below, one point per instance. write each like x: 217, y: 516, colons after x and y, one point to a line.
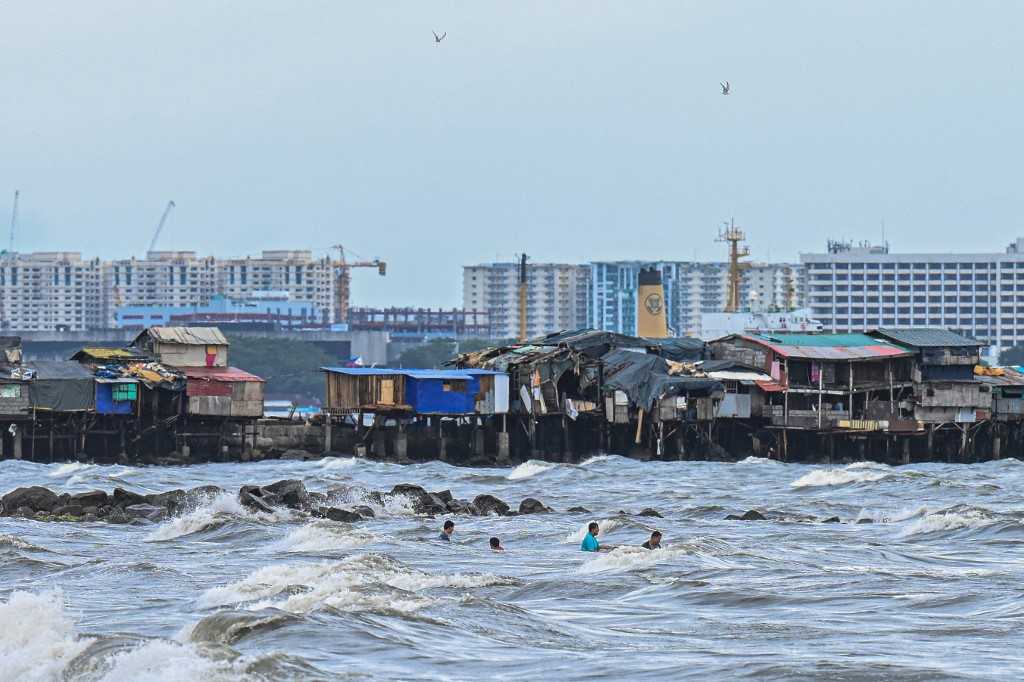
x: 931, y: 588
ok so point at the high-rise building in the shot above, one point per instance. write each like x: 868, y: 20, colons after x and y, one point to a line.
x: 59, y: 290
x: 50, y: 291
x: 556, y: 296
x: 858, y: 287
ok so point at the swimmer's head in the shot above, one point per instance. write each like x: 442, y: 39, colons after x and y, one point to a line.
x: 593, y: 528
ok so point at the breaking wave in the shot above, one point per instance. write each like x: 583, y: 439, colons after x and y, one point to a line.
x: 759, y: 460
x: 368, y: 582
x: 859, y: 472
x: 323, y: 537
x: 17, y: 543
x: 212, y: 514
x: 70, y: 469
x: 957, y: 517
x: 38, y: 639
x: 606, y: 526
x: 529, y: 469
x: 597, y: 459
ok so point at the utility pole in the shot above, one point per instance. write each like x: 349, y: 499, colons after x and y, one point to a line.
x: 733, y: 235
x: 522, y: 298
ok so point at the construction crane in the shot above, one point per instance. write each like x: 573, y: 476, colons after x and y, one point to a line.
x: 160, y: 225
x: 523, y: 285
x: 345, y: 279
x: 733, y: 235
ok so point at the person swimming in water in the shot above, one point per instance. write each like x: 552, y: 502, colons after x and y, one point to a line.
x: 447, y: 530
x: 496, y: 545
x: 590, y: 543
x: 654, y: 542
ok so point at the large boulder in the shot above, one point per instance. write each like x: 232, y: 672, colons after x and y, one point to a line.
x: 482, y: 505
x: 252, y: 497
x: 171, y: 500
x: 751, y: 515
x: 148, y: 512
x: 125, y: 498
x: 532, y: 506
x: 422, y: 501
x: 651, y: 512
x: 93, y: 498
x: 336, y: 514
x: 36, y: 498
x: 288, y: 493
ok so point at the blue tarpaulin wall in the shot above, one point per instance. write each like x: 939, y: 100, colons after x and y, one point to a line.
x: 105, y: 403
x: 435, y: 395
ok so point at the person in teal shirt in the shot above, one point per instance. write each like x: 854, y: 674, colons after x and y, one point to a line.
x: 590, y: 543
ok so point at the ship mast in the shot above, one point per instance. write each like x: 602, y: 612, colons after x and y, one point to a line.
x: 733, y: 235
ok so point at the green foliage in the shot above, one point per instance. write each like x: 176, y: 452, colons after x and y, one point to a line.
x: 291, y: 368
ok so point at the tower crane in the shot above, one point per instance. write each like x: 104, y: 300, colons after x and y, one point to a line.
x: 160, y: 225
x: 343, y: 268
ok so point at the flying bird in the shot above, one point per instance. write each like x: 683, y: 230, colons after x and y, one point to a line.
x: 439, y: 38
x: 726, y: 88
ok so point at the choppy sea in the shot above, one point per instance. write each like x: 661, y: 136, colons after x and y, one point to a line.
x: 931, y: 588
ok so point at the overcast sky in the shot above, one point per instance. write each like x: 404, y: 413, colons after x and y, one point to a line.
x: 573, y: 131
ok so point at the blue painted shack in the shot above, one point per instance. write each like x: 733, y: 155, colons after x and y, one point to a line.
x: 116, y: 396
x: 415, y: 391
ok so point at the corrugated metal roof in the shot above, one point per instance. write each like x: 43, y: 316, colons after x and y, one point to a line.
x: 924, y: 337
x: 104, y: 380
x: 829, y: 346
x: 218, y: 374
x: 443, y: 374
x: 188, y: 336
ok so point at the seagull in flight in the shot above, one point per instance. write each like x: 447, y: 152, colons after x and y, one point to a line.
x: 439, y: 38
x: 726, y: 88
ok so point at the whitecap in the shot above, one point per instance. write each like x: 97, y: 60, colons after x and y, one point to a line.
x: 953, y: 518
x: 162, y: 660
x: 323, y: 537
x: 854, y: 473
x: 38, y: 639
x: 596, y: 459
x: 631, y: 559
x: 70, y: 469
x: 18, y: 543
x: 528, y: 469
x: 337, y: 462
x: 758, y: 460
x: 368, y: 582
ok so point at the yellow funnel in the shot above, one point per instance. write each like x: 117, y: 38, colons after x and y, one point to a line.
x: 650, y: 315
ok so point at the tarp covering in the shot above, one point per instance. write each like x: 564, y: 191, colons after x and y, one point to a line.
x: 61, y: 386
x: 645, y: 378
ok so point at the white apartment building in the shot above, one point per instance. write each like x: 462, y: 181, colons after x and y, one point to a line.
x: 556, y: 296
x: 772, y: 287
x: 58, y: 290
x: 854, y: 288
x: 49, y: 291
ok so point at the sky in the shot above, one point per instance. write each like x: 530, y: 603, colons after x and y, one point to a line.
x: 571, y: 131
